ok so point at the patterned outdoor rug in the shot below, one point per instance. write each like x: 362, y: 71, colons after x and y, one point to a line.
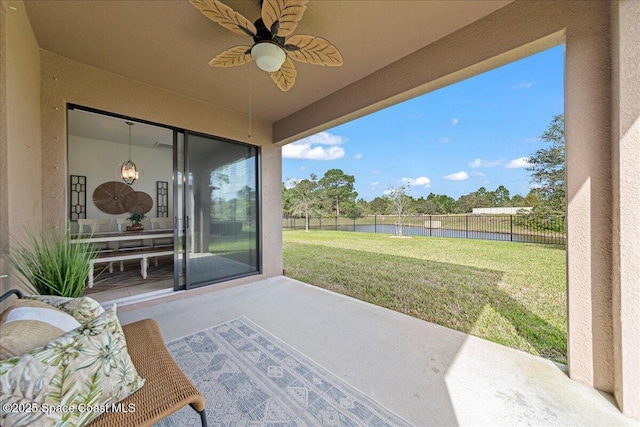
x: 250, y: 378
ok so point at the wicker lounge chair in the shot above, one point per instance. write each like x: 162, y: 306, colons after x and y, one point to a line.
x: 166, y: 389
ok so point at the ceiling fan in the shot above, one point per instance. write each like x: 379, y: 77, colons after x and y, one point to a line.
x: 273, y: 45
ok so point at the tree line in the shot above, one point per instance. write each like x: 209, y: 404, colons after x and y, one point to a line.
x: 334, y: 193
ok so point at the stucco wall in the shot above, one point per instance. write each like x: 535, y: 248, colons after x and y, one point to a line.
x: 65, y: 81
x: 4, y: 207
x: 20, y: 179
x: 626, y: 203
x: 271, y: 205
x: 587, y: 132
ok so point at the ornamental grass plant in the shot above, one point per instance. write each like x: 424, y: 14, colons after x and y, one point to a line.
x: 51, y: 265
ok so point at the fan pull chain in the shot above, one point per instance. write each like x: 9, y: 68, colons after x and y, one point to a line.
x: 250, y: 100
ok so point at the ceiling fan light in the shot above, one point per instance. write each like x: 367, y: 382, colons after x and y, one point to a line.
x: 268, y: 56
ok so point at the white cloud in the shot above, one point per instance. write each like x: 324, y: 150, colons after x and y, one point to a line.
x: 374, y: 184
x: 324, y: 138
x: 312, y: 147
x: 479, y: 163
x: 520, y: 162
x: 523, y: 85
x: 457, y: 176
x: 475, y: 164
x: 454, y: 121
x: 291, y: 182
x: 421, y: 181
x: 443, y: 141
x: 358, y: 156
x: 478, y: 174
x: 305, y: 151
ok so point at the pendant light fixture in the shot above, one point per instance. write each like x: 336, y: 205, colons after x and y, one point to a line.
x: 128, y: 169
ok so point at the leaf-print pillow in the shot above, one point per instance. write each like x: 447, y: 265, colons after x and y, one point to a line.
x: 83, y: 309
x: 86, y: 367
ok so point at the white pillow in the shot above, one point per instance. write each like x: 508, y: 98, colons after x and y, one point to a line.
x: 55, y: 318
x: 29, y: 324
x: 83, y: 309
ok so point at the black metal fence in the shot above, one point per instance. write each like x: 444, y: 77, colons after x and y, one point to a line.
x: 515, y: 228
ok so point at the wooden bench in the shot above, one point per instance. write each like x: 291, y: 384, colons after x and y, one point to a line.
x: 111, y: 257
x: 166, y: 389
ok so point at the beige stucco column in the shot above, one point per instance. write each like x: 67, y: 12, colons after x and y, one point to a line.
x: 626, y: 203
x: 20, y: 142
x: 588, y: 180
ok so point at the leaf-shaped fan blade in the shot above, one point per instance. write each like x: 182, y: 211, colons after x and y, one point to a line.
x: 225, y: 16
x: 238, y: 55
x: 285, y: 77
x: 313, y: 50
x: 285, y: 13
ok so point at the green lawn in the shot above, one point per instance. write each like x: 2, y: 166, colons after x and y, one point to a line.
x: 510, y: 293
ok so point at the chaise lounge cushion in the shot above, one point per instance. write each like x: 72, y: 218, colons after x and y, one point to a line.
x: 88, y: 366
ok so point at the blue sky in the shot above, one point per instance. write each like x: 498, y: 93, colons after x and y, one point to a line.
x: 478, y: 132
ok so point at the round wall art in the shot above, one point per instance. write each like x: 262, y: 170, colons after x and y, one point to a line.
x: 109, y: 197
x: 138, y: 202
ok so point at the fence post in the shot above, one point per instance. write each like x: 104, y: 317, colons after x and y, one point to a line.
x: 336, y: 222
x: 430, y: 226
x: 354, y: 222
x: 466, y: 226
x: 511, y: 224
x: 320, y: 222
x: 375, y: 223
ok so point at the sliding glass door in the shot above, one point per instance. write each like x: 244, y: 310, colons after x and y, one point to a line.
x: 218, y: 220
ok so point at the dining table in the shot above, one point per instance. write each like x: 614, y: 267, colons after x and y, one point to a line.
x: 116, y: 236
x: 113, y: 255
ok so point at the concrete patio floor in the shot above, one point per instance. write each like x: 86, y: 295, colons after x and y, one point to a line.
x: 428, y: 374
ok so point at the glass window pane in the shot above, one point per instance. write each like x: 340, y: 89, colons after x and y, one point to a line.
x: 223, y: 210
